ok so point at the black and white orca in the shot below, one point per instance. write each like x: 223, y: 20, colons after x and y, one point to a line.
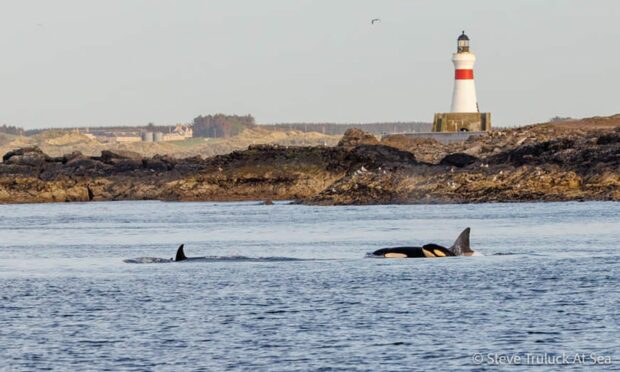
x: 459, y: 248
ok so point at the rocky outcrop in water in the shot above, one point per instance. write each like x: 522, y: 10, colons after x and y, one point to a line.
x: 531, y: 164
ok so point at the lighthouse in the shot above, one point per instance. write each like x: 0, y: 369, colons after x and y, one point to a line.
x: 464, y: 94
x: 464, y: 115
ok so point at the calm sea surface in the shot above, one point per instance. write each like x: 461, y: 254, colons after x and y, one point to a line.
x: 548, y: 283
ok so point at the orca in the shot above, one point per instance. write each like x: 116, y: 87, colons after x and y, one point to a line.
x: 459, y: 248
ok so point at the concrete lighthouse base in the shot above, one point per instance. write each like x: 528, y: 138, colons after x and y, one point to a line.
x: 462, y: 122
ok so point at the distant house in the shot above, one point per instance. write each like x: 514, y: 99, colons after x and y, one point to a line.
x: 183, y: 130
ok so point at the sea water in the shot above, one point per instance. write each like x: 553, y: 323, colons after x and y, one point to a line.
x: 90, y: 287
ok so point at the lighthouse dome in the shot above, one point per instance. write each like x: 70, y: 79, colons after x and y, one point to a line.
x: 463, y: 43
x: 463, y: 37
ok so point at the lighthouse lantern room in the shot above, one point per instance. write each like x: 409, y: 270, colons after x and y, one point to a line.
x: 463, y: 43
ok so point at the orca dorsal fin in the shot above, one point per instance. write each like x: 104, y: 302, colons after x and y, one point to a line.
x: 461, y: 245
x: 180, y: 254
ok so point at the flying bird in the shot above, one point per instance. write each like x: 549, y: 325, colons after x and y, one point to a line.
x: 375, y: 20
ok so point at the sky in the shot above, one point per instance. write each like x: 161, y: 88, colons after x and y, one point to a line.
x: 131, y: 62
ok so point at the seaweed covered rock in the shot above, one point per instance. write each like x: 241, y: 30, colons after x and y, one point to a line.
x: 29, y: 156
x: 112, y: 157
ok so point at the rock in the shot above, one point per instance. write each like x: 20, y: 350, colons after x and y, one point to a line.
x: 474, y: 150
x: 425, y: 149
x: 156, y: 165
x: 110, y: 157
x: 532, y: 153
x: 83, y: 162
x: 126, y: 165
x: 71, y: 156
x: 609, y: 138
x: 30, y: 156
x: 520, y: 142
x: 354, y: 137
x: 458, y: 160
x: 374, y: 157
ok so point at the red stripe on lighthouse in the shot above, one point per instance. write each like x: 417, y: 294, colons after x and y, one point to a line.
x: 464, y: 74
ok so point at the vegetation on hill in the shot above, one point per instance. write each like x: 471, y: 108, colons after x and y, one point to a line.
x: 221, y: 125
x: 9, y: 129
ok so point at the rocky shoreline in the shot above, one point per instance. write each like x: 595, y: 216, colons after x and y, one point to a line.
x: 537, y: 163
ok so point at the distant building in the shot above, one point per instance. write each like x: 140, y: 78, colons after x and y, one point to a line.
x: 147, y: 136
x: 183, y: 130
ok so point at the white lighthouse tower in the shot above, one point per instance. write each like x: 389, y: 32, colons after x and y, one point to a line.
x: 464, y: 95
x: 464, y: 115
